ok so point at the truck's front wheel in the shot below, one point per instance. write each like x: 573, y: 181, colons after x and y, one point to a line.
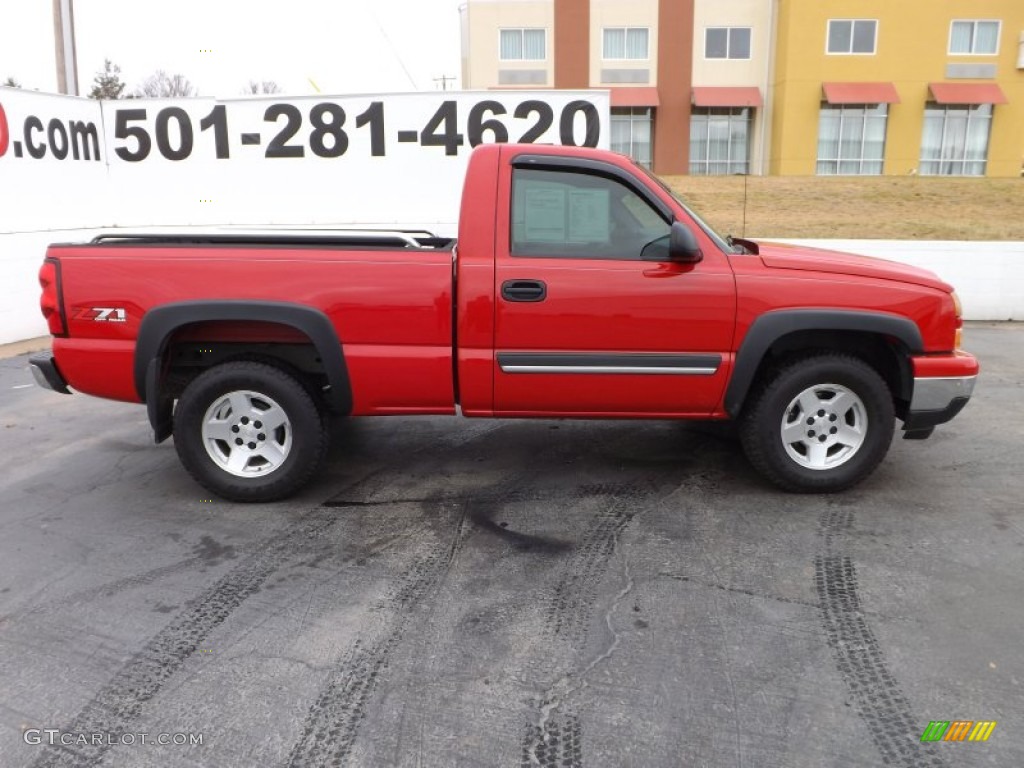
x: 821, y: 423
x: 248, y: 431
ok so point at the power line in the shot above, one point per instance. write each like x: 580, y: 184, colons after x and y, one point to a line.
x: 444, y: 80
x: 394, y: 50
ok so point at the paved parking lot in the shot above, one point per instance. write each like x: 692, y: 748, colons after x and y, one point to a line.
x: 484, y: 593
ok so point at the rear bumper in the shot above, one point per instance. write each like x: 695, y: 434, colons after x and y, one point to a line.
x: 45, y: 372
x: 942, y: 387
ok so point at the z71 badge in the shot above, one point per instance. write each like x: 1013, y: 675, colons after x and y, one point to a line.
x: 102, y: 314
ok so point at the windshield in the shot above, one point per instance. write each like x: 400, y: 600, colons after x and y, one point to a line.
x: 720, y: 241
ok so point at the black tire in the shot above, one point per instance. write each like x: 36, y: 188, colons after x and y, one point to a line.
x: 302, y: 439
x: 762, y: 423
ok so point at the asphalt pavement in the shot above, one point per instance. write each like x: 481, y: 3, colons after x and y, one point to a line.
x: 523, y: 593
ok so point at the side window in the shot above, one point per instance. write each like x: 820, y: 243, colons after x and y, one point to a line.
x: 557, y: 214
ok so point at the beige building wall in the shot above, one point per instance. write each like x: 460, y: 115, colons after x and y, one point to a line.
x: 483, y: 21
x: 606, y: 73
x: 756, y: 71
x: 756, y: 14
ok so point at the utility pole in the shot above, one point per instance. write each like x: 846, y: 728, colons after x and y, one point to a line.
x: 64, y: 44
x: 444, y: 80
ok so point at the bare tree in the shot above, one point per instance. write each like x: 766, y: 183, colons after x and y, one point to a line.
x: 161, y: 85
x: 264, y: 86
x: 107, y: 83
x: 10, y: 82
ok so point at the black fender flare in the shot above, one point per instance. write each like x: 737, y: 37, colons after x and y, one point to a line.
x: 159, y: 323
x: 772, y: 326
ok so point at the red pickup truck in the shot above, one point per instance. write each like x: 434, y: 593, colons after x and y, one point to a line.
x: 580, y: 286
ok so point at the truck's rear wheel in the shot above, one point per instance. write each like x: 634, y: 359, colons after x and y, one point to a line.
x: 248, y: 431
x: 821, y: 423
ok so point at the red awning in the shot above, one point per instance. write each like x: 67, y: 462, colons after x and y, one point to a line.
x: 727, y: 97
x: 861, y: 93
x: 635, y: 97
x: 967, y: 93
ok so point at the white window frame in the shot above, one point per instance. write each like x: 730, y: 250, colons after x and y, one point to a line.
x: 636, y: 115
x: 851, y: 52
x: 521, y: 30
x: 974, y: 36
x: 728, y: 43
x: 625, y: 43
x: 962, y: 161
x: 860, y: 160
x: 734, y: 114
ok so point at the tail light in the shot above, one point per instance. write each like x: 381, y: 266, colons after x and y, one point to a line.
x: 51, y: 302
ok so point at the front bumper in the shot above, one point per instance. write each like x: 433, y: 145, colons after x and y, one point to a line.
x: 45, y: 372
x: 942, y: 387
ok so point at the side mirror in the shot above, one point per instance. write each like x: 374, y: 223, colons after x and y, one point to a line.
x: 683, y: 247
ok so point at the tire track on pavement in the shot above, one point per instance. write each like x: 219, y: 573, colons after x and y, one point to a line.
x: 119, y: 704
x: 109, y: 589
x: 332, y: 724
x: 877, y: 696
x: 555, y: 739
x: 571, y: 604
x: 556, y: 744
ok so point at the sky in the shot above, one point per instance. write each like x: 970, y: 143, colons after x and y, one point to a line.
x: 343, y: 46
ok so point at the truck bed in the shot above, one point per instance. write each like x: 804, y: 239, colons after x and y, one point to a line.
x: 388, y: 295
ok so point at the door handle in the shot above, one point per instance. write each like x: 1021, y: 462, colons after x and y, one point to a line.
x: 524, y: 290
x: 666, y: 270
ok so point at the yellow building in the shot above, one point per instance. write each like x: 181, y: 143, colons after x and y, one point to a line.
x: 898, y: 87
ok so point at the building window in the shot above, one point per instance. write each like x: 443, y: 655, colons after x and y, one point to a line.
x: 523, y: 45
x: 626, y: 43
x: 979, y: 38
x: 720, y: 141
x: 955, y: 140
x: 848, y: 36
x: 851, y: 139
x: 727, y: 43
x: 631, y: 133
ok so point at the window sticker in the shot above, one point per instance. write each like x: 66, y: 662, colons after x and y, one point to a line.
x: 543, y: 213
x: 588, y: 215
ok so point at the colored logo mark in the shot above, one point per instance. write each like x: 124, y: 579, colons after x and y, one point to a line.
x: 5, y: 135
x: 958, y: 730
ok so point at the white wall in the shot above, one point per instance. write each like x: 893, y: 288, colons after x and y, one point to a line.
x: 21, y: 256
x: 988, y: 276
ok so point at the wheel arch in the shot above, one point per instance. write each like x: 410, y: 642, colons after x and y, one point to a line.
x: 159, y: 325
x: 886, y: 340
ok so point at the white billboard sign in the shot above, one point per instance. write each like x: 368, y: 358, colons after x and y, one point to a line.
x: 389, y: 158
x: 356, y: 159
x: 52, y: 162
